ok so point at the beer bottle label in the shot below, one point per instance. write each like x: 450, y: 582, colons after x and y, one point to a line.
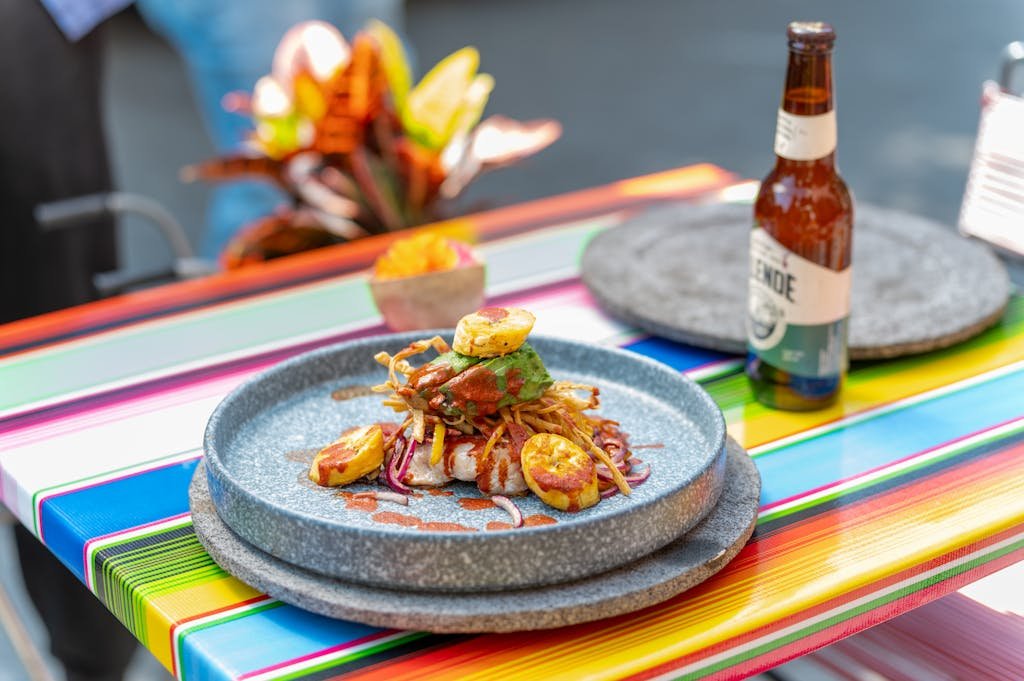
x: 805, y: 138
x: 797, y: 310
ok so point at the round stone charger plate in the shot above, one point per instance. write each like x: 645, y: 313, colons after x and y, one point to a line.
x: 260, y: 441
x: 681, y: 565
x: 681, y: 272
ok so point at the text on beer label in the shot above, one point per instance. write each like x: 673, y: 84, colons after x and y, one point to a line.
x: 805, y: 138
x: 797, y: 309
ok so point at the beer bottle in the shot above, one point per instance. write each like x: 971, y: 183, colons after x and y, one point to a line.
x: 799, y: 290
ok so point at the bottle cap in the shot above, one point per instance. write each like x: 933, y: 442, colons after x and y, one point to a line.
x: 810, y: 36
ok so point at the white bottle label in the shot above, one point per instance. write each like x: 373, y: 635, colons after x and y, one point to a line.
x: 797, y: 310
x: 805, y: 138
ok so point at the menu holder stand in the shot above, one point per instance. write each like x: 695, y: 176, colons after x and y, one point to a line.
x: 993, y: 206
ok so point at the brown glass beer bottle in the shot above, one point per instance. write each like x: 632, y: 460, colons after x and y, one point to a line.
x: 799, y: 289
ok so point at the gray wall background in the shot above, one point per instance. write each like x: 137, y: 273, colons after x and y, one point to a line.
x: 640, y: 86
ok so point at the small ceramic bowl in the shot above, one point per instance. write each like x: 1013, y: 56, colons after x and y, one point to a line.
x: 431, y: 300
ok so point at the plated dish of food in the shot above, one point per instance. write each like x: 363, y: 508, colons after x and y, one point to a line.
x: 423, y: 460
x: 485, y: 410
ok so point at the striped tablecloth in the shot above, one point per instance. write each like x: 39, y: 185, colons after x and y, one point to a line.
x: 908, y: 489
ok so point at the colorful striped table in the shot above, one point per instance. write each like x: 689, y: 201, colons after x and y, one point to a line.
x: 907, y: 490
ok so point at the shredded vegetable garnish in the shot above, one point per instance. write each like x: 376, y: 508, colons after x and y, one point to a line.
x: 393, y: 497
x: 486, y: 411
x: 438, y: 449
x: 509, y: 507
x: 495, y: 436
x: 560, y: 410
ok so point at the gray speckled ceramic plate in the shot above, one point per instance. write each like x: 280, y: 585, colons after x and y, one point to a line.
x: 681, y: 565
x: 260, y: 438
x: 681, y: 272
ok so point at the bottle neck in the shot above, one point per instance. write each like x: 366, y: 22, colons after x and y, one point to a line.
x: 808, y: 89
x: 806, y: 132
x: 788, y: 166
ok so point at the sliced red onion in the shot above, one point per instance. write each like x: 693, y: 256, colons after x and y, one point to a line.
x: 510, y: 507
x: 397, y: 466
x: 604, y: 473
x: 406, y: 461
x: 610, y: 492
x: 616, y: 448
x: 637, y: 478
x: 390, y: 481
x: 384, y: 496
x: 397, y: 447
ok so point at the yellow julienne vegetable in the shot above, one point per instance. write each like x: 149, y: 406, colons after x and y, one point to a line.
x: 438, y: 450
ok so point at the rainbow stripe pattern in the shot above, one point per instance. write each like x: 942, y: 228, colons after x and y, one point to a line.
x: 905, y: 491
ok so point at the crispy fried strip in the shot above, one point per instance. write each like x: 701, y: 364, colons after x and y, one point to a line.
x: 565, y: 392
x: 541, y: 425
x: 413, y: 348
x: 602, y: 456
x: 559, y: 410
x: 394, y: 436
x: 397, y: 405
x: 419, y: 425
x: 493, y: 439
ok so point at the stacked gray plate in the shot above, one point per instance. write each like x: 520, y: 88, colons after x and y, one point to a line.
x: 259, y: 439
x: 681, y: 272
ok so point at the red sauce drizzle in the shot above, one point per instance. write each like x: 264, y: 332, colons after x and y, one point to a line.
x: 568, y: 483
x: 529, y: 521
x: 503, y: 472
x: 430, y: 376
x: 485, y: 472
x: 405, y: 520
x: 473, y: 504
x: 563, y: 481
x: 392, y: 518
x: 445, y: 527
x: 353, y: 503
x: 518, y: 436
x: 478, y: 385
x: 335, y: 457
x: 453, y: 441
x: 514, y: 381
x: 434, y: 492
x: 493, y: 314
x: 387, y: 428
